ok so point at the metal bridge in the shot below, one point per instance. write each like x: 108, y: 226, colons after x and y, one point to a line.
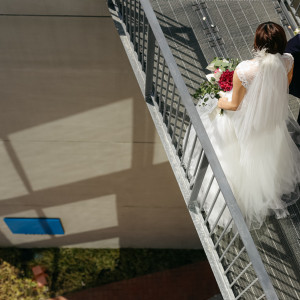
x: 169, y: 43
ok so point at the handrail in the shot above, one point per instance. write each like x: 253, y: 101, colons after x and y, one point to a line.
x: 294, y: 19
x: 155, y: 34
x: 291, y: 15
x: 210, y: 153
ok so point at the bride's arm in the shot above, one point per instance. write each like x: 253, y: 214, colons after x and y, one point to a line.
x: 238, y: 94
x: 290, y: 74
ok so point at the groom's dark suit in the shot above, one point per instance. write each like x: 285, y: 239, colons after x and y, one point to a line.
x: 293, y: 47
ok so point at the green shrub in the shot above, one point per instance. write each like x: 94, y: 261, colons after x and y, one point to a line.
x: 71, y: 269
x: 13, y: 285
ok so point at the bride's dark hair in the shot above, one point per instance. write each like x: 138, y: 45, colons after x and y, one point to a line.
x: 270, y: 36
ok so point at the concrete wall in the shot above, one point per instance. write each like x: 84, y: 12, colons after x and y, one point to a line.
x: 77, y: 141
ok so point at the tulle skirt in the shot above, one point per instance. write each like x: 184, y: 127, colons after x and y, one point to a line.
x: 263, y: 173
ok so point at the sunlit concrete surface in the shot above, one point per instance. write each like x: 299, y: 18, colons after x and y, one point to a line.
x: 159, y: 155
x: 11, y: 183
x: 77, y: 141
x: 99, y: 140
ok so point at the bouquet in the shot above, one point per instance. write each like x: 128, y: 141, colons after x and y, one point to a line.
x: 218, y: 82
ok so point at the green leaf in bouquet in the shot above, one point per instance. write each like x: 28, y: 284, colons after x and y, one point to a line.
x: 215, y: 60
x: 224, y: 64
x: 234, y: 63
x: 228, y: 64
x: 218, y: 63
x: 206, y: 87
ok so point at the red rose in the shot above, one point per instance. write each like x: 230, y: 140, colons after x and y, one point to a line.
x: 225, y: 81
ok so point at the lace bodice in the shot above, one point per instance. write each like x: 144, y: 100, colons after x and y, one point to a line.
x: 247, y: 69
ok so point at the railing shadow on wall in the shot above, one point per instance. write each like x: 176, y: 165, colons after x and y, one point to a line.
x: 57, y: 111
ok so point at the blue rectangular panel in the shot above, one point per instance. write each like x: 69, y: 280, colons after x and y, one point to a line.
x: 34, y: 225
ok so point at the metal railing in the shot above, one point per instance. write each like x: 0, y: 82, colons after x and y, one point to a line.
x: 233, y: 256
x: 293, y: 7
x: 291, y: 13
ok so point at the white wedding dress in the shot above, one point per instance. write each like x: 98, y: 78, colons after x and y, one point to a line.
x: 253, y: 145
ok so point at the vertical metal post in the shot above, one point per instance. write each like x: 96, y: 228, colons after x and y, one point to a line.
x: 187, y: 137
x: 181, y: 130
x: 157, y: 73
x: 228, y: 247
x: 199, y: 161
x: 139, y: 29
x: 166, y: 98
x: 222, y: 234
x: 130, y: 19
x: 134, y: 22
x: 123, y: 10
x: 143, y: 44
x: 212, y: 206
x: 206, y: 193
x: 191, y: 156
x: 175, y: 122
x: 219, y: 217
x: 126, y: 13
x: 162, y: 84
x: 149, y: 63
x: 171, y: 106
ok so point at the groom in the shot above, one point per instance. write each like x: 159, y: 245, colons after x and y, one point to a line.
x: 293, y: 47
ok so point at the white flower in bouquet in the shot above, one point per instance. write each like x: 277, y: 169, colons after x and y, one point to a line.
x: 297, y: 31
x: 221, y: 94
x: 217, y: 74
x: 210, y: 77
x: 211, y: 67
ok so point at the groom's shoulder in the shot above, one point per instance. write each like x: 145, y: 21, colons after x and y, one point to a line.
x: 293, y: 44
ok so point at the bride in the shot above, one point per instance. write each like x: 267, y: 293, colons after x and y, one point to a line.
x: 251, y: 139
